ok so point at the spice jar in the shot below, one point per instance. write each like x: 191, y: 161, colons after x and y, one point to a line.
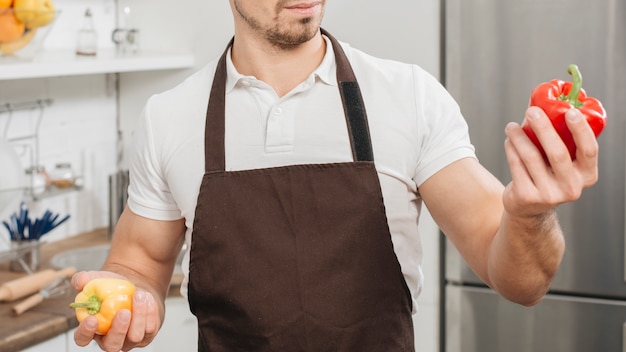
x: 62, y: 176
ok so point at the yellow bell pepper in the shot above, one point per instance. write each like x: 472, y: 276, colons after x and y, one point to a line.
x: 103, y: 298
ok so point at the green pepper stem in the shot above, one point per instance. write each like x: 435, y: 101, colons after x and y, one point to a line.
x: 577, y: 84
x: 92, y: 304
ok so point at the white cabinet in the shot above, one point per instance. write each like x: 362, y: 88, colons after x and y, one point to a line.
x: 180, y: 329
x: 72, y: 347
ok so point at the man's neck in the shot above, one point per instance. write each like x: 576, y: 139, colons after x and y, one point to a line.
x: 282, y: 69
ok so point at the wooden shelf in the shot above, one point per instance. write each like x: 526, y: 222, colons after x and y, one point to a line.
x: 54, y: 63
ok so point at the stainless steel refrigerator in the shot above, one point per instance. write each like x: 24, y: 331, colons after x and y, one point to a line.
x: 496, y: 51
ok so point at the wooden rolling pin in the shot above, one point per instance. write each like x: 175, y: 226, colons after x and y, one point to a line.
x: 27, y: 285
x: 55, y: 289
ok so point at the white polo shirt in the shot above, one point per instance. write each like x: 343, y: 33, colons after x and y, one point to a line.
x: 415, y: 125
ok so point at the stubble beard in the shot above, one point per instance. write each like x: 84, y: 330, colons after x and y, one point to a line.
x: 292, y: 37
x: 284, y: 37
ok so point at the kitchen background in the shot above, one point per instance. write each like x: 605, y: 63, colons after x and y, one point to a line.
x: 94, y: 109
x: 95, y: 102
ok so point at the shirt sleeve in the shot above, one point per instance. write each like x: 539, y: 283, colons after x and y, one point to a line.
x: 445, y: 137
x: 148, y: 193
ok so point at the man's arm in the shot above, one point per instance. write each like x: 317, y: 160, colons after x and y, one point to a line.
x: 510, y: 235
x: 144, y: 251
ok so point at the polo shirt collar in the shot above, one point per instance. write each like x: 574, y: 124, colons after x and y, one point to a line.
x: 326, y: 71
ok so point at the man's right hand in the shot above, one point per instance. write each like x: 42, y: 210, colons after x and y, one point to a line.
x: 129, y: 329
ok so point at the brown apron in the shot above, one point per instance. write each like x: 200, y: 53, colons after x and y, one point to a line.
x: 296, y: 258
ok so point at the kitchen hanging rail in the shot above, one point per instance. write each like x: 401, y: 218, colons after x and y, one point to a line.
x: 10, y: 108
x: 33, y: 146
x: 28, y: 105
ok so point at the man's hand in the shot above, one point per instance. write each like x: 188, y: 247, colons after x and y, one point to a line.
x: 527, y: 250
x: 129, y: 329
x: 537, y: 187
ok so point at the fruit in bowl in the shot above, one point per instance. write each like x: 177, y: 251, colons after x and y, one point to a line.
x: 11, y: 28
x: 34, y: 13
x: 24, y: 23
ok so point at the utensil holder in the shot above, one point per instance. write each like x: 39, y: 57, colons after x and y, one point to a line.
x: 24, y: 257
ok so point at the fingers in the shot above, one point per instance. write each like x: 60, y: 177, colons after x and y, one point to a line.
x: 86, y: 331
x: 583, y: 171
x: 114, y: 340
x: 81, y: 278
x: 536, y: 185
x: 525, y: 160
x: 552, y: 144
x: 586, y: 143
x: 523, y: 195
x: 140, y: 317
x: 586, y: 146
x: 129, y: 329
x: 154, y: 317
x: 145, y: 321
x: 514, y: 158
x: 560, y: 181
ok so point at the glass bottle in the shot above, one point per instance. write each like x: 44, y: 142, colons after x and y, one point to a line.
x: 87, y: 38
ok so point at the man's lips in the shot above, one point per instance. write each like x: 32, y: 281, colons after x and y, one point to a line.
x: 304, y: 8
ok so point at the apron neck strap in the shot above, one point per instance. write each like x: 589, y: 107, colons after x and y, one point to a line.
x: 353, y: 106
x: 214, y: 156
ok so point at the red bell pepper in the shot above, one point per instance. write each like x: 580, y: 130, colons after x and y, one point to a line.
x: 556, y: 98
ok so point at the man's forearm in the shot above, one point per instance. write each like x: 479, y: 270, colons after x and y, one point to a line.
x: 524, y: 257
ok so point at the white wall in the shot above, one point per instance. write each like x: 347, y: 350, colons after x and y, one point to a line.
x: 405, y: 30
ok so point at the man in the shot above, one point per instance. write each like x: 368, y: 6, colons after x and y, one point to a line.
x: 302, y: 219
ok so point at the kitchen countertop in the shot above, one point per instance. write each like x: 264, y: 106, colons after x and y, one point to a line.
x: 53, y: 316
